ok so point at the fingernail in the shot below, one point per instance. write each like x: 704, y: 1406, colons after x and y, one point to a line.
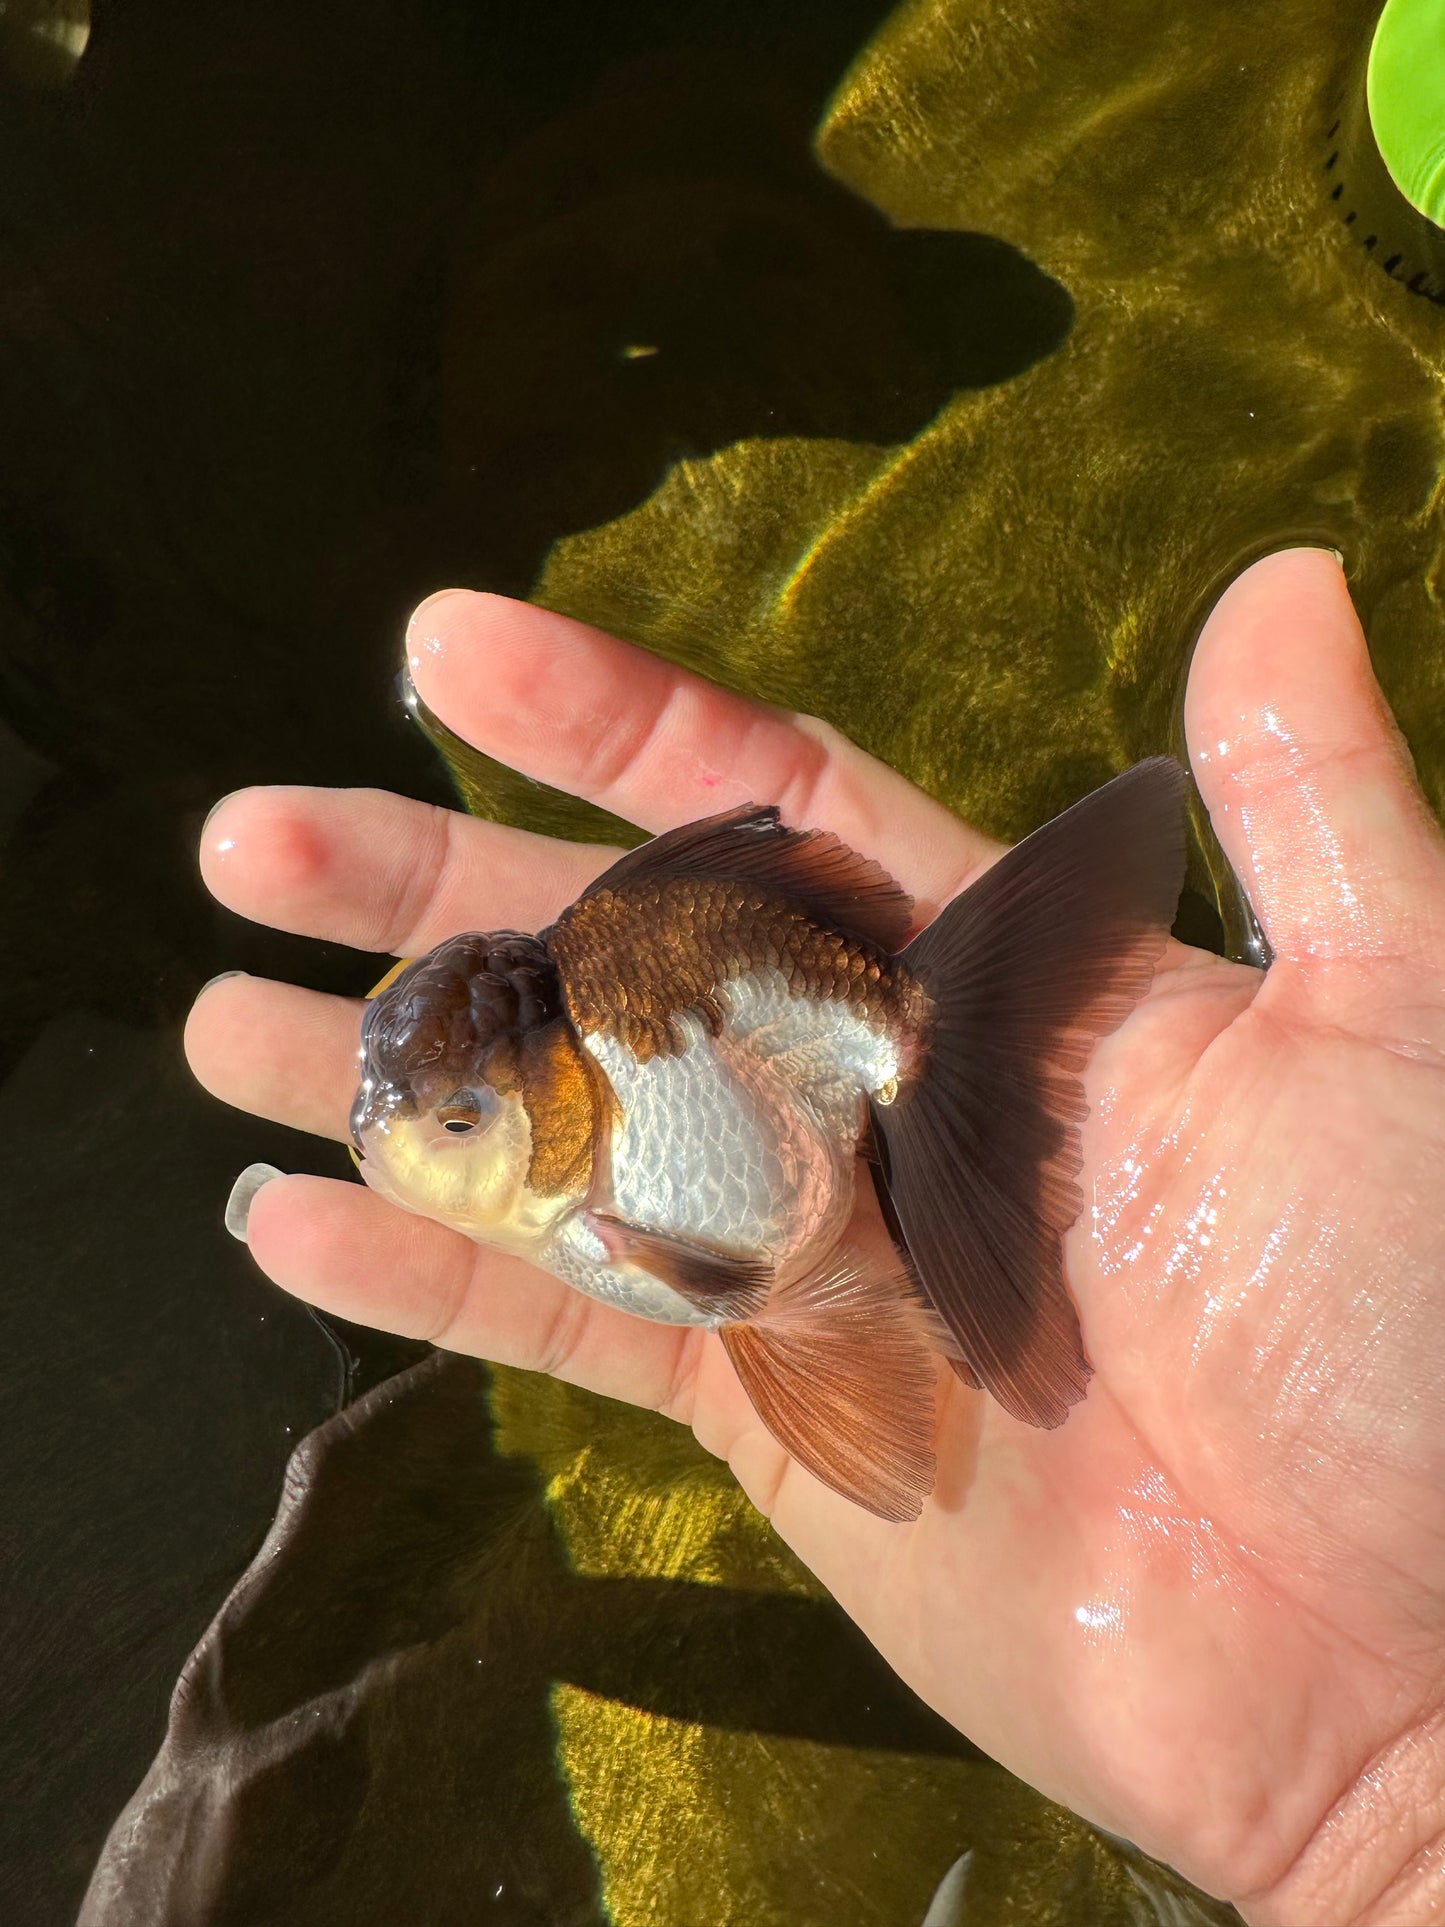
x: 243, y: 1192
x: 421, y: 636
x: 219, y: 978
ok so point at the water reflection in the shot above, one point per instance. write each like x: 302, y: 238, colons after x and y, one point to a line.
x: 152, y: 1394
x: 41, y: 41
x: 699, y: 281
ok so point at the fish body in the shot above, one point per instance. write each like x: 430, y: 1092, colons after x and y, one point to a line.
x: 740, y: 1042
x: 721, y: 1144
x: 661, y: 1099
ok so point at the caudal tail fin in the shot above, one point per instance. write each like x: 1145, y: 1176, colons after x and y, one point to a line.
x: 1047, y: 952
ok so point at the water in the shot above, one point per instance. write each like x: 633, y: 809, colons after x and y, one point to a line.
x: 302, y: 314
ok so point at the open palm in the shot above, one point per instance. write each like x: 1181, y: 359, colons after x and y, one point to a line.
x: 1208, y: 1611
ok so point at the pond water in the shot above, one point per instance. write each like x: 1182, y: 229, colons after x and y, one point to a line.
x: 930, y: 379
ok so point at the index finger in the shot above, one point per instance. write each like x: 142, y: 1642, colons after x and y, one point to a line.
x: 570, y: 706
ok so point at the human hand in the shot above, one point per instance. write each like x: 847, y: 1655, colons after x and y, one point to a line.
x: 1207, y: 1612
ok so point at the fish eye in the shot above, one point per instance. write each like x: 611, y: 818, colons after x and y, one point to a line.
x: 462, y: 1112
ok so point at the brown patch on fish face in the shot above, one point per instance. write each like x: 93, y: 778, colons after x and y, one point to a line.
x: 451, y: 1020
x: 566, y: 1101
x: 632, y: 960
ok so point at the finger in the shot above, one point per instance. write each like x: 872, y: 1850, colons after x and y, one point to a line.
x: 573, y: 707
x: 284, y: 1053
x: 1307, y: 782
x: 345, y: 1250
x: 341, y: 1248
x: 381, y: 872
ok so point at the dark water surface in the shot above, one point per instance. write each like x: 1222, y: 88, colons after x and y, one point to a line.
x: 303, y: 312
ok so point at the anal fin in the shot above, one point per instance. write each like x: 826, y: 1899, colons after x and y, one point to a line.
x: 841, y: 1372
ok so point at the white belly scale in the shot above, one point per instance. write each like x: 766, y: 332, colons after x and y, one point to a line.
x: 745, y: 1142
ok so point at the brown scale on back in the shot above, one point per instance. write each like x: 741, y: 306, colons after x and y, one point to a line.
x: 633, y: 958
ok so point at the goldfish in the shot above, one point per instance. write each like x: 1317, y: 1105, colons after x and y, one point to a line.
x: 664, y: 1099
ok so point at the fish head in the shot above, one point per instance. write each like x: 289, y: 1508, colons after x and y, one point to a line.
x: 440, y: 1119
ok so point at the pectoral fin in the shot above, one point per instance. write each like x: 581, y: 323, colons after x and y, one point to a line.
x: 840, y: 1371
x: 717, y: 1282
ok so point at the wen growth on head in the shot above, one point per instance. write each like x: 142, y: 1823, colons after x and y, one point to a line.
x: 661, y: 1099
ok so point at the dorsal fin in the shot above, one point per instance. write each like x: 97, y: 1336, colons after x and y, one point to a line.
x: 811, y: 868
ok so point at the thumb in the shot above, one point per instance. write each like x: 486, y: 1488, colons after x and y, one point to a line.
x: 1306, y: 778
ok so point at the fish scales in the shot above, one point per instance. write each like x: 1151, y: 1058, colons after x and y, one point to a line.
x: 746, y: 1136
x: 633, y: 959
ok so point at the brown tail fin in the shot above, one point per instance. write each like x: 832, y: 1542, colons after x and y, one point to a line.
x: 841, y: 1373
x: 1045, y: 954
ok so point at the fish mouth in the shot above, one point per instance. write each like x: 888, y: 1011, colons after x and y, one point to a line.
x: 376, y: 1177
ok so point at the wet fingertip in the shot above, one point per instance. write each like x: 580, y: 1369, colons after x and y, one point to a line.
x: 221, y: 977
x: 229, y: 827
x: 214, y: 811
x: 200, y: 1031
x: 426, y: 631
x: 243, y: 1196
